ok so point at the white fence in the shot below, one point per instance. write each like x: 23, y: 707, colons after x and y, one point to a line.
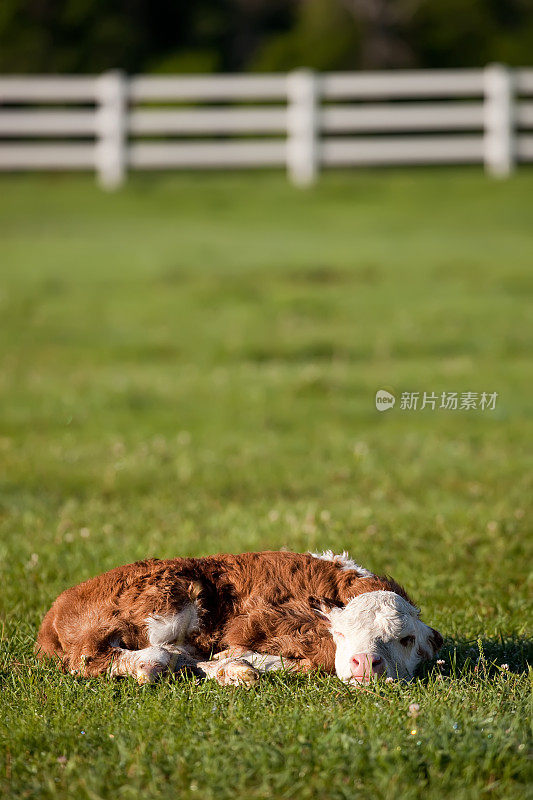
x: 303, y: 120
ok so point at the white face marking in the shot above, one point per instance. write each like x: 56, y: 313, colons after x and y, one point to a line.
x: 172, y: 629
x: 380, y: 625
x: 344, y: 562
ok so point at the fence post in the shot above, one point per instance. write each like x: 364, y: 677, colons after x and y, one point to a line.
x: 302, y: 127
x: 111, y: 146
x: 499, y: 123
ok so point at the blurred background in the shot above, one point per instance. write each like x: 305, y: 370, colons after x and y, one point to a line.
x: 76, y: 36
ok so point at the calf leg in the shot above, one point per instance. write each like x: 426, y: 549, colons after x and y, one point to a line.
x: 166, y: 653
x: 263, y: 662
x: 230, y: 671
x: 144, y: 665
x: 95, y: 640
x: 147, y: 665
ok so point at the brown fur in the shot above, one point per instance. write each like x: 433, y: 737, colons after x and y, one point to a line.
x: 260, y: 601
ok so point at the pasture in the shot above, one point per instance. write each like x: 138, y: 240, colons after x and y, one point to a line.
x: 188, y: 367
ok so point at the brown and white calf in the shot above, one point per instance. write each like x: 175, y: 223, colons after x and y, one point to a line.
x: 254, y: 611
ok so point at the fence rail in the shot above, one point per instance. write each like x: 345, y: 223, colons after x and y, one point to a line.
x: 303, y: 120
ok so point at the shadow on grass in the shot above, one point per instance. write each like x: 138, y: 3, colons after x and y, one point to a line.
x: 486, y: 656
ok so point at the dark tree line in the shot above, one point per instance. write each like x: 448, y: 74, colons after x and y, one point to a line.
x: 258, y: 35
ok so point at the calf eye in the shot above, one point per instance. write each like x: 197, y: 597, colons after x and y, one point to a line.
x: 407, y: 641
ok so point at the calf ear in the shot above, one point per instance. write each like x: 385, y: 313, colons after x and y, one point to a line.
x: 323, y: 606
x: 435, y: 641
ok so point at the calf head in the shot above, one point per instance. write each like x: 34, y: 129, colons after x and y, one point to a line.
x: 378, y: 634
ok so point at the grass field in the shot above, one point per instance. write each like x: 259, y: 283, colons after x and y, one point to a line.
x: 189, y: 366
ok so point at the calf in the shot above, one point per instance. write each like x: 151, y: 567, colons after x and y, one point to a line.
x: 255, y: 611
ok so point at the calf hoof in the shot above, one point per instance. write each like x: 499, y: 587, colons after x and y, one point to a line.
x: 149, y: 673
x: 144, y: 665
x: 236, y: 672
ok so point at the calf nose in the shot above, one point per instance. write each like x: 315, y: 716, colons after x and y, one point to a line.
x: 365, y: 665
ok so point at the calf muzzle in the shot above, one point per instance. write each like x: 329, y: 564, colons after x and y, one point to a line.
x: 364, y: 666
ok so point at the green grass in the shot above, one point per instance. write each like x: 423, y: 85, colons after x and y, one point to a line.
x: 188, y: 367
